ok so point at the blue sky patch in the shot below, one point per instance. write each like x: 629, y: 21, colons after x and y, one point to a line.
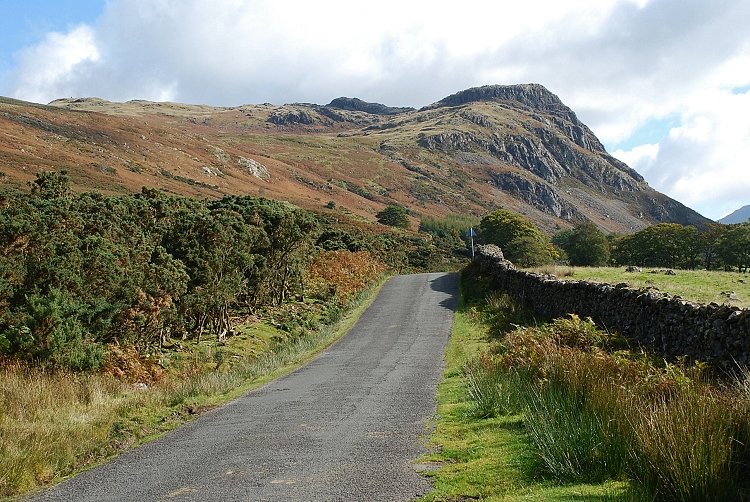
x: 26, y: 22
x: 741, y: 90
x: 652, y: 131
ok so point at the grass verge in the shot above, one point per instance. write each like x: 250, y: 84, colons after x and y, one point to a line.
x: 485, y: 455
x: 53, y: 425
x: 585, y: 418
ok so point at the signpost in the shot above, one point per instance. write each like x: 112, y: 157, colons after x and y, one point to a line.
x: 472, y: 234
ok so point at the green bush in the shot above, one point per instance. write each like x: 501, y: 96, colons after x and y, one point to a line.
x: 521, y: 241
x: 394, y: 216
x: 584, y: 245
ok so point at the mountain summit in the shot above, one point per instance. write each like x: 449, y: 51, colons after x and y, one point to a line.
x: 741, y: 215
x: 513, y: 146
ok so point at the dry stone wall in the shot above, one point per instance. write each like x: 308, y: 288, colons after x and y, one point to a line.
x: 659, y: 322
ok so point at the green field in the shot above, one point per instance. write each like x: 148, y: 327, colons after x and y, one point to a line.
x: 702, y: 286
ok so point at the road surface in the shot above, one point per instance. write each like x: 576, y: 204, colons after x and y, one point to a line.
x: 347, y: 426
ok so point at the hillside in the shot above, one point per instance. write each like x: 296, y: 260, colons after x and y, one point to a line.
x: 516, y: 146
x: 741, y: 215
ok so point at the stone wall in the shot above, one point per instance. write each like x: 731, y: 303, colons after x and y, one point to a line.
x: 659, y: 322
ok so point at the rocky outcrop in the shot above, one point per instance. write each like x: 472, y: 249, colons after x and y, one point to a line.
x: 554, y: 145
x: 667, y: 325
x: 357, y: 105
x: 543, y: 153
x: 532, y: 96
x: 452, y: 141
x: 540, y: 195
x: 255, y: 168
x: 561, y: 132
x: 284, y: 117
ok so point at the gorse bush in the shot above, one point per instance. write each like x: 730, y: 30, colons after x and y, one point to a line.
x: 78, y: 272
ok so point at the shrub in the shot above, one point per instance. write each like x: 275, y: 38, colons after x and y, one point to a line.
x: 521, y: 241
x: 342, y: 274
x: 394, y: 216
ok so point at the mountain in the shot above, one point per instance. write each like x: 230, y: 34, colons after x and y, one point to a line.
x: 516, y: 146
x: 739, y: 216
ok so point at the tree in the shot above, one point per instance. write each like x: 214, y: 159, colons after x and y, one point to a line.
x: 709, y: 242
x: 521, y: 241
x: 734, y: 246
x: 394, y: 216
x: 529, y: 251
x: 584, y: 244
x: 661, y: 245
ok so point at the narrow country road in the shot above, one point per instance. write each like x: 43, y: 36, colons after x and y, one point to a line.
x: 348, y: 426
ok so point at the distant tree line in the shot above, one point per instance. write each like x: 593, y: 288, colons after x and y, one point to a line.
x: 80, y: 271
x: 662, y: 245
x: 672, y: 245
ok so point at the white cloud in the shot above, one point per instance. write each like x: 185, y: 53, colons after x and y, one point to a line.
x: 54, y: 64
x: 620, y: 64
x: 641, y: 158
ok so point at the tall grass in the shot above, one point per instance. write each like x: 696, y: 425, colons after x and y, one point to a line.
x: 493, y: 392
x: 596, y: 414
x: 685, y: 448
x: 51, y: 422
x: 578, y: 433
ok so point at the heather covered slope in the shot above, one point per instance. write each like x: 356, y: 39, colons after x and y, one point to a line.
x: 517, y: 147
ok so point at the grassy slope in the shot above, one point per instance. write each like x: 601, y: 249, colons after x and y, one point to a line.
x: 54, y: 425
x: 695, y: 285
x: 489, y: 459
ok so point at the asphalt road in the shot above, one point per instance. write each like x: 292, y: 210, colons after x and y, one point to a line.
x: 348, y: 426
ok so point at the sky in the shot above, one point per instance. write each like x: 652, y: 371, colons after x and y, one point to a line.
x: 664, y: 84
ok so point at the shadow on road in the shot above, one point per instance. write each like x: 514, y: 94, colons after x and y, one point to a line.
x: 447, y: 283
